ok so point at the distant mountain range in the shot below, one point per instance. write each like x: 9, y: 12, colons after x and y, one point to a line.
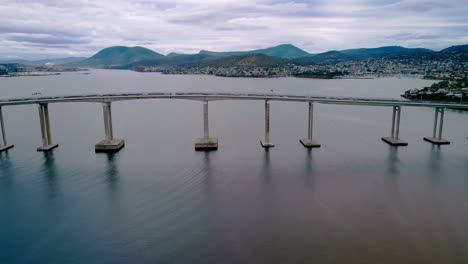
x: 44, y: 61
x: 284, y: 51
x: 247, y: 60
x: 382, y: 52
x: 460, y: 48
x: 120, y: 57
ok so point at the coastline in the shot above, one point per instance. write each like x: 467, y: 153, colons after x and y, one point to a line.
x: 30, y: 74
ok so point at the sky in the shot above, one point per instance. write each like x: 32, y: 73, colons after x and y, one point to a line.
x: 60, y: 28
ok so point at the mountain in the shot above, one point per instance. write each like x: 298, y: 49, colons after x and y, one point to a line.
x: 455, y: 56
x: 18, y: 61
x: 45, y: 61
x: 58, y: 61
x: 172, y: 54
x: 180, y: 60
x: 284, y: 51
x: 452, y: 49
x: 382, y: 52
x: 334, y: 57
x: 120, y: 57
x: 249, y: 60
x: 329, y: 57
x: 117, y: 56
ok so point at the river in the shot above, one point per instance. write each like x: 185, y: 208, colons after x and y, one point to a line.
x: 354, y: 200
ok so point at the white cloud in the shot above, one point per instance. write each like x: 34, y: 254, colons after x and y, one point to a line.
x: 82, y: 27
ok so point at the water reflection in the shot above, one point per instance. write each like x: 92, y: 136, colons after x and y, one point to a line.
x: 208, y: 176
x: 308, y: 175
x: 112, y: 171
x: 466, y: 178
x: 50, y: 174
x: 7, y: 171
x: 112, y: 174
x: 265, y: 171
x: 392, y: 174
x: 435, y: 159
x: 393, y: 161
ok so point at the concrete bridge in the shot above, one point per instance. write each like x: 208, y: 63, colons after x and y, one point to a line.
x: 110, y: 144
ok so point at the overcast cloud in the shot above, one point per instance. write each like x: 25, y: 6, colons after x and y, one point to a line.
x: 51, y: 28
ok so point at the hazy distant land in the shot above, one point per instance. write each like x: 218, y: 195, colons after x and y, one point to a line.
x: 279, y: 61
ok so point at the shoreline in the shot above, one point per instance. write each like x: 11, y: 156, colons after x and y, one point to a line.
x: 31, y: 74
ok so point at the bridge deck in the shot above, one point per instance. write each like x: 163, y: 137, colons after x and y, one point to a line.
x: 99, y: 98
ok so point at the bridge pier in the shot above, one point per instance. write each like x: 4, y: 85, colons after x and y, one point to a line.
x: 3, y: 145
x: 395, y: 140
x: 47, y: 144
x: 308, y: 142
x: 206, y: 143
x: 109, y: 144
x: 266, y: 142
x: 437, y: 140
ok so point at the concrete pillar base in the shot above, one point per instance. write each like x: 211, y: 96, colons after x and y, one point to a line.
x: 206, y: 144
x: 394, y: 141
x: 47, y: 148
x: 5, y: 148
x: 309, y: 143
x: 112, y: 145
x: 437, y: 141
x: 266, y: 144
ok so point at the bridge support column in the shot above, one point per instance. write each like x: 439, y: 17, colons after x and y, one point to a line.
x: 206, y: 143
x: 437, y: 139
x: 47, y: 144
x: 109, y: 144
x: 266, y: 142
x: 3, y: 145
x: 308, y: 142
x: 395, y: 140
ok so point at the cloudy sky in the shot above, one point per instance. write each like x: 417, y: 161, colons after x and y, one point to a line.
x: 51, y: 28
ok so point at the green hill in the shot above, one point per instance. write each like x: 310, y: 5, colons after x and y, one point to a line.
x: 117, y: 56
x: 382, y: 52
x: 333, y: 57
x: 120, y: 57
x: 249, y: 60
x: 329, y: 57
x: 459, y: 48
x: 180, y: 60
x: 284, y: 51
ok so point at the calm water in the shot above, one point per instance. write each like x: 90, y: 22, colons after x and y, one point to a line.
x: 355, y: 200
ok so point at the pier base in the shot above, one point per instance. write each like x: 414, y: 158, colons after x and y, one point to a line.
x: 204, y: 144
x: 44, y: 121
x: 437, y: 141
x: 112, y: 145
x: 394, y: 141
x: 47, y: 147
x: 5, y: 148
x: 266, y: 144
x: 438, y: 121
x: 309, y: 143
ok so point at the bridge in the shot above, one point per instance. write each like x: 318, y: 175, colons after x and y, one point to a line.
x: 110, y: 144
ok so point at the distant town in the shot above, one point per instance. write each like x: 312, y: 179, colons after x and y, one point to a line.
x: 456, y: 90
x: 369, y: 68
x: 17, y: 70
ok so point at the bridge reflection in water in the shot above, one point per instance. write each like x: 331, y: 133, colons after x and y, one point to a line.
x: 110, y: 144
